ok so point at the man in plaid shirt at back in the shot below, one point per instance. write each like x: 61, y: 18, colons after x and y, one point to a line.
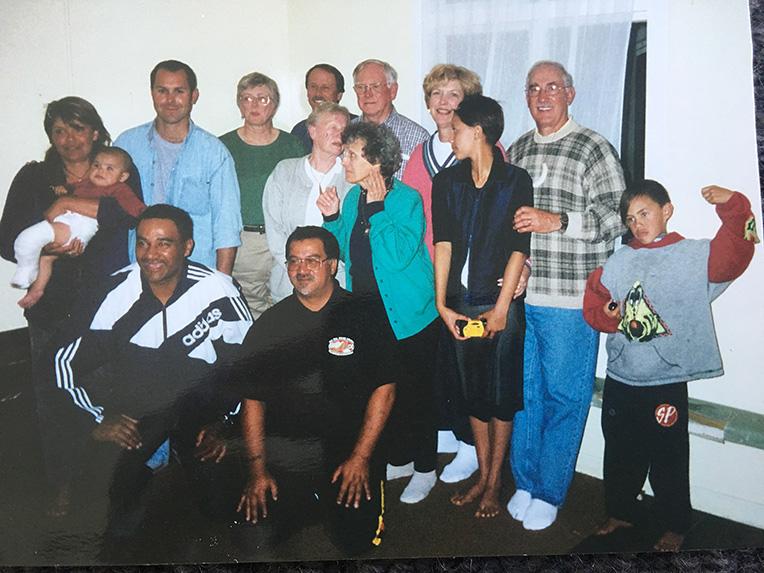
x: 578, y: 182
x: 376, y: 84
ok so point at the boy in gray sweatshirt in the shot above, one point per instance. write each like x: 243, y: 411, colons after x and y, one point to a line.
x: 654, y: 298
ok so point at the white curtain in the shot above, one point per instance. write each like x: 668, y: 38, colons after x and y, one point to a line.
x: 501, y: 39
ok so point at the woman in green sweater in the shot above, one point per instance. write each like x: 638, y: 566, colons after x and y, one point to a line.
x: 256, y: 147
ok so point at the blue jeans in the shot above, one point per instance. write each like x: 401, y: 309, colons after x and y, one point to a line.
x: 560, y: 359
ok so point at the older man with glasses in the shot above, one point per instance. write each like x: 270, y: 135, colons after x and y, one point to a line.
x: 578, y: 182
x: 376, y: 84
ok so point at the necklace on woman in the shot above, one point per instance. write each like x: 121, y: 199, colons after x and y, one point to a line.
x: 75, y: 178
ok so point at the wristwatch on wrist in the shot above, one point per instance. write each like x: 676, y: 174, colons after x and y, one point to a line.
x: 563, y: 222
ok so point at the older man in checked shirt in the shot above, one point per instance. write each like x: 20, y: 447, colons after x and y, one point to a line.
x: 578, y: 182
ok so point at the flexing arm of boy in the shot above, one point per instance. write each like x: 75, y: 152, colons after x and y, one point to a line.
x: 732, y: 247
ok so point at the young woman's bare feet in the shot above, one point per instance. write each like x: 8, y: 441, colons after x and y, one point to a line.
x: 612, y: 524
x: 469, y: 496
x: 30, y: 299
x: 489, y: 504
x: 669, y: 541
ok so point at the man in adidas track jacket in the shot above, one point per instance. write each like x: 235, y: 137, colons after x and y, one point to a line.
x: 164, y: 332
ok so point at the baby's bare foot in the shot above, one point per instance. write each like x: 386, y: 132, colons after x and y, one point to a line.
x: 31, y: 298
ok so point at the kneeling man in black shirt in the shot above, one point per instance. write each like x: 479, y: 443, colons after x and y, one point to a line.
x: 318, y: 392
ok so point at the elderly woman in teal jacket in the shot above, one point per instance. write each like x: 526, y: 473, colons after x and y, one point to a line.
x: 380, y: 229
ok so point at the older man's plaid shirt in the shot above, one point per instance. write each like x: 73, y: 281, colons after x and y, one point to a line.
x: 578, y: 174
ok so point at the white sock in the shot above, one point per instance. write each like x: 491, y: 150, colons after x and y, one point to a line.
x: 447, y: 442
x: 539, y: 515
x: 462, y: 466
x: 519, y: 503
x: 419, y: 487
x: 397, y: 472
x: 24, y: 276
x: 27, y: 247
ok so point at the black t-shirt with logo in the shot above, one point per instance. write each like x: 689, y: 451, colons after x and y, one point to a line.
x: 315, y: 371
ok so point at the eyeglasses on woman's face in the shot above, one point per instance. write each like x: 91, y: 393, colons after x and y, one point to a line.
x: 262, y: 100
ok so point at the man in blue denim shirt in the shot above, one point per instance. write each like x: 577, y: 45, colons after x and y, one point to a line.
x: 183, y: 165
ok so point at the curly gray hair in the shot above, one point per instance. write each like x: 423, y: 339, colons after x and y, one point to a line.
x: 380, y: 146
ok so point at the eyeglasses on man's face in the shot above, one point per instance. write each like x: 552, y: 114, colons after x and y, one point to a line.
x: 552, y: 89
x: 312, y: 263
x: 262, y: 100
x: 376, y: 87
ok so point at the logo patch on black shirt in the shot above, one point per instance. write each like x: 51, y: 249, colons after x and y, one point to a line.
x: 341, y: 346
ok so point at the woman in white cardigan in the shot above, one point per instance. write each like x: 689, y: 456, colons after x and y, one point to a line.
x: 289, y: 199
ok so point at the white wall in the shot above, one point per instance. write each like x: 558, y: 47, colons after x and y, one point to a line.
x: 700, y: 127
x: 701, y: 130
x: 317, y: 34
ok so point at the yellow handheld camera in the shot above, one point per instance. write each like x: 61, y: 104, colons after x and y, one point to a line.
x: 471, y: 328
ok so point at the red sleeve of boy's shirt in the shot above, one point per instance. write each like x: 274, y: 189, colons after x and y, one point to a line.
x: 732, y: 247
x: 596, y: 297
x: 128, y: 200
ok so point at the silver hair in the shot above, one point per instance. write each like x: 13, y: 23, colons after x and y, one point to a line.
x: 566, y: 77
x: 390, y: 74
x: 327, y: 107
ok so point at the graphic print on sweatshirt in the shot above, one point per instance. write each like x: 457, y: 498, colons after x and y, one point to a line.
x: 640, y: 322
